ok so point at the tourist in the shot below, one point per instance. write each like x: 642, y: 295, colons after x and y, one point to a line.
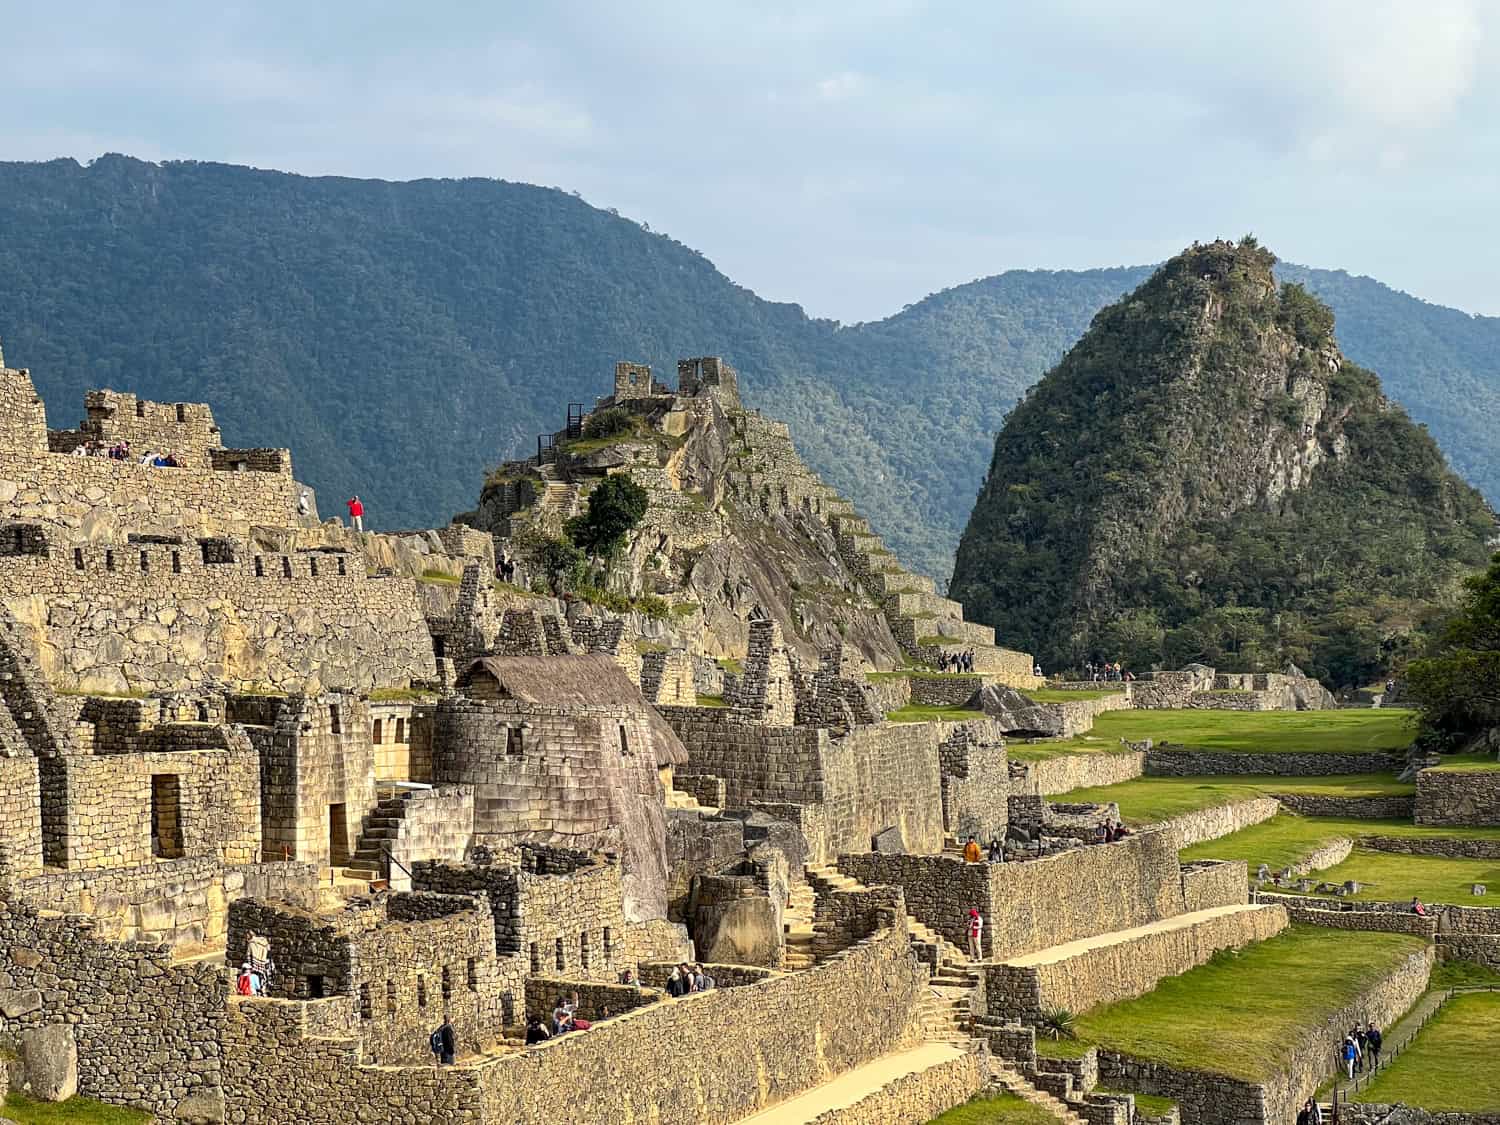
x: 1351, y: 1056
x: 971, y: 851
x: 1101, y: 834
x: 243, y: 985
x: 535, y: 1032
x: 444, y: 1044
x: 303, y: 508
x: 83, y: 450
x: 1359, y: 1041
x: 629, y: 977
x: 356, y: 513
x: 997, y: 850
x: 1037, y: 671
x: 976, y: 935
x: 1304, y: 1116
x: 1373, y: 1041
x: 1316, y: 1114
x: 702, y: 982
x: 674, y: 982
x: 1417, y: 908
x: 571, y: 1006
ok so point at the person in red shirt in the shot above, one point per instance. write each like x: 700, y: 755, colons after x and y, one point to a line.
x: 356, y: 514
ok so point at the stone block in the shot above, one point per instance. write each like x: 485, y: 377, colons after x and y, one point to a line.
x: 50, y: 1057
x: 888, y: 841
x: 16, y: 1002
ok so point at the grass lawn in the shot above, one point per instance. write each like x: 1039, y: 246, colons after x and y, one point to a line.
x: 1352, y: 731
x: 439, y: 578
x: 1395, y: 878
x: 1145, y: 1103
x: 1145, y: 800
x: 1468, y: 763
x: 995, y: 1109
x: 74, y: 1111
x: 913, y: 713
x: 1244, y: 1012
x: 1287, y: 838
x: 402, y: 695
x: 1451, y: 1063
x: 711, y: 701
x: 1083, y: 744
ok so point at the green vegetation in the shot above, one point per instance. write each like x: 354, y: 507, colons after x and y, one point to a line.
x: 1069, y: 556
x: 1396, y: 878
x: 711, y: 701
x: 1468, y: 763
x: 1048, y: 695
x: 614, y: 507
x: 730, y: 664
x: 401, y: 695
x: 1455, y: 684
x: 1357, y: 730
x: 1450, y: 1065
x: 439, y: 578
x: 1144, y: 1103
x: 1244, y: 1012
x: 1462, y: 974
x: 1287, y: 838
x: 1145, y: 800
x: 917, y: 713
x: 995, y: 1109
x: 75, y: 1111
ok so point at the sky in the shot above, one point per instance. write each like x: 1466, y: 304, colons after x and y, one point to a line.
x: 850, y: 157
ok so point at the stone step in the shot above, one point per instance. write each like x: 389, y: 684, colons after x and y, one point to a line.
x: 1014, y: 1082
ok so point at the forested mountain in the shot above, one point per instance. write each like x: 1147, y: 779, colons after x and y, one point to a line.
x: 400, y: 337
x: 1204, y: 477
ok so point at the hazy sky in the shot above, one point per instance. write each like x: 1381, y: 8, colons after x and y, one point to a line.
x: 850, y: 157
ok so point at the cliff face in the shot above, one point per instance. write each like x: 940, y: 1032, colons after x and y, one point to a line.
x: 1206, y: 450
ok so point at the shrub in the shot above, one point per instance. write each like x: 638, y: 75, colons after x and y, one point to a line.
x: 608, y: 423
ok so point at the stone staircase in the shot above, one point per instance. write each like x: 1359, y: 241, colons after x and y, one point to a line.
x: 382, y: 827
x: 1014, y: 1082
x: 797, y: 926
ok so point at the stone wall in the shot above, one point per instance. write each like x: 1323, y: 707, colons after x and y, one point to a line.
x: 1350, y: 808
x: 23, y: 417
x: 1067, y: 772
x: 436, y: 824
x: 1375, y: 1113
x: 117, y: 617
x: 1481, y: 949
x: 1449, y: 847
x: 1210, y: 883
x: 1458, y: 797
x: 1108, y: 887
x: 1122, y: 969
x: 1219, y: 820
x: 976, y: 779
x: 857, y: 782
x: 752, y: 1047
x: 1211, y: 1099
x: 596, y: 1000
x: 148, y: 1030
x: 915, y: 1098
x: 402, y: 736
x: 20, y: 819
x: 1177, y: 762
x: 945, y: 691
x: 1317, y: 914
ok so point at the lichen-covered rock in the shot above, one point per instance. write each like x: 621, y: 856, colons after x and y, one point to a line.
x: 50, y: 1057
x: 1018, y: 715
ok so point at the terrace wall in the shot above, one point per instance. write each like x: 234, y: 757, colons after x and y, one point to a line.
x: 1349, y: 808
x: 1458, y: 797
x: 1219, y: 820
x: 1066, y: 772
x: 1176, y: 762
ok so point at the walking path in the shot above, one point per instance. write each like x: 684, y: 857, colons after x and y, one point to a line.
x: 848, y: 1088
x: 1055, y: 953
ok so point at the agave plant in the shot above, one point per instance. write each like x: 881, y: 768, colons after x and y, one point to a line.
x: 1057, y: 1023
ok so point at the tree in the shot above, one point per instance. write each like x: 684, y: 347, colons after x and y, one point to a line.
x: 615, y: 507
x: 1457, y: 688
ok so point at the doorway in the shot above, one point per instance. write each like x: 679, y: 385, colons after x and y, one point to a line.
x: 338, y: 837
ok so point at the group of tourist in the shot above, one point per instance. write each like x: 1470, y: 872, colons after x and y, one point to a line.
x: 1361, y: 1049
x: 1108, y: 833
x: 254, y: 977
x: 1108, y: 672
x: 956, y: 661
x: 121, y: 451
x: 505, y: 567
x: 443, y: 1043
x: 1311, y: 1114
x: 995, y: 852
x: 687, y: 979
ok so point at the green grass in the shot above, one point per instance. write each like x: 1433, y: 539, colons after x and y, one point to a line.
x: 1051, y: 1048
x: 711, y: 701
x: 101, y: 694
x: 916, y: 713
x: 995, y: 1109
x: 1461, y: 974
x: 1467, y: 763
x: 1145, y: 800
x: 732, y: 665
x: 1050, y: 695
x: 1450, y: 1065
x: 75, y: 1111
x: 1244, y: 1012
x: 438, y: 578
x: 401, y: 695
x: 1287, y: 838
x: 1396, y: 878
x: 1148, y: 1104
x: 685, y: 609
x: 1352, y: 731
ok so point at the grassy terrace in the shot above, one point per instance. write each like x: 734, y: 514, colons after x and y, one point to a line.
x: 1145, y: 800
x: 915, y: 713
x: 1451, y: 1064
x: 75, y: 1111
x: 1047, y: 695
x: 1287, y: 838
x: 1394, y: 878
x: 1243, y: 1012
x: 995, y: 1109
x: 1468, y: 763
x: 1310, y: 732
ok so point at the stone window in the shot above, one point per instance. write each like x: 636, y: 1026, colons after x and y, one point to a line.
x: 78, y: 558
x: 583, y: 949
x: 390, y: 998
x: 421, y: 991
x: 166, y: 816
x: 286, y: 566
x: 624, y: 741
x: 312, y: 565
x: 609, y: 945
x: 376, y: 733
x: 334, y: 725
x: 109, y: 560
x: 366, y: 1011
x: 342, y: 570
x: 471, y: 974
x: 536, y: 959
x: 562, y: 962
x: 176, y: 562
x: 315, y: 986
x: 515, y: 742
x: 438, y: 644
x: 145, y: 562
x: 181, y: 413
x: 203, y: 712
x: 140, y: 409
x: 447, y: 987
x: 400, y: 730
x: 260, y: 567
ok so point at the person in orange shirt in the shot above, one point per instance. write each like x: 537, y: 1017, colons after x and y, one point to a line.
x: 971, y: 851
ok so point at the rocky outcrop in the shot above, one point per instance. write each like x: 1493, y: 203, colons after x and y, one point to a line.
x: 1017, y: 715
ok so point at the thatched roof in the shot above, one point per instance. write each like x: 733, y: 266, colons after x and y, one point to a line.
x: 594, y: 680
